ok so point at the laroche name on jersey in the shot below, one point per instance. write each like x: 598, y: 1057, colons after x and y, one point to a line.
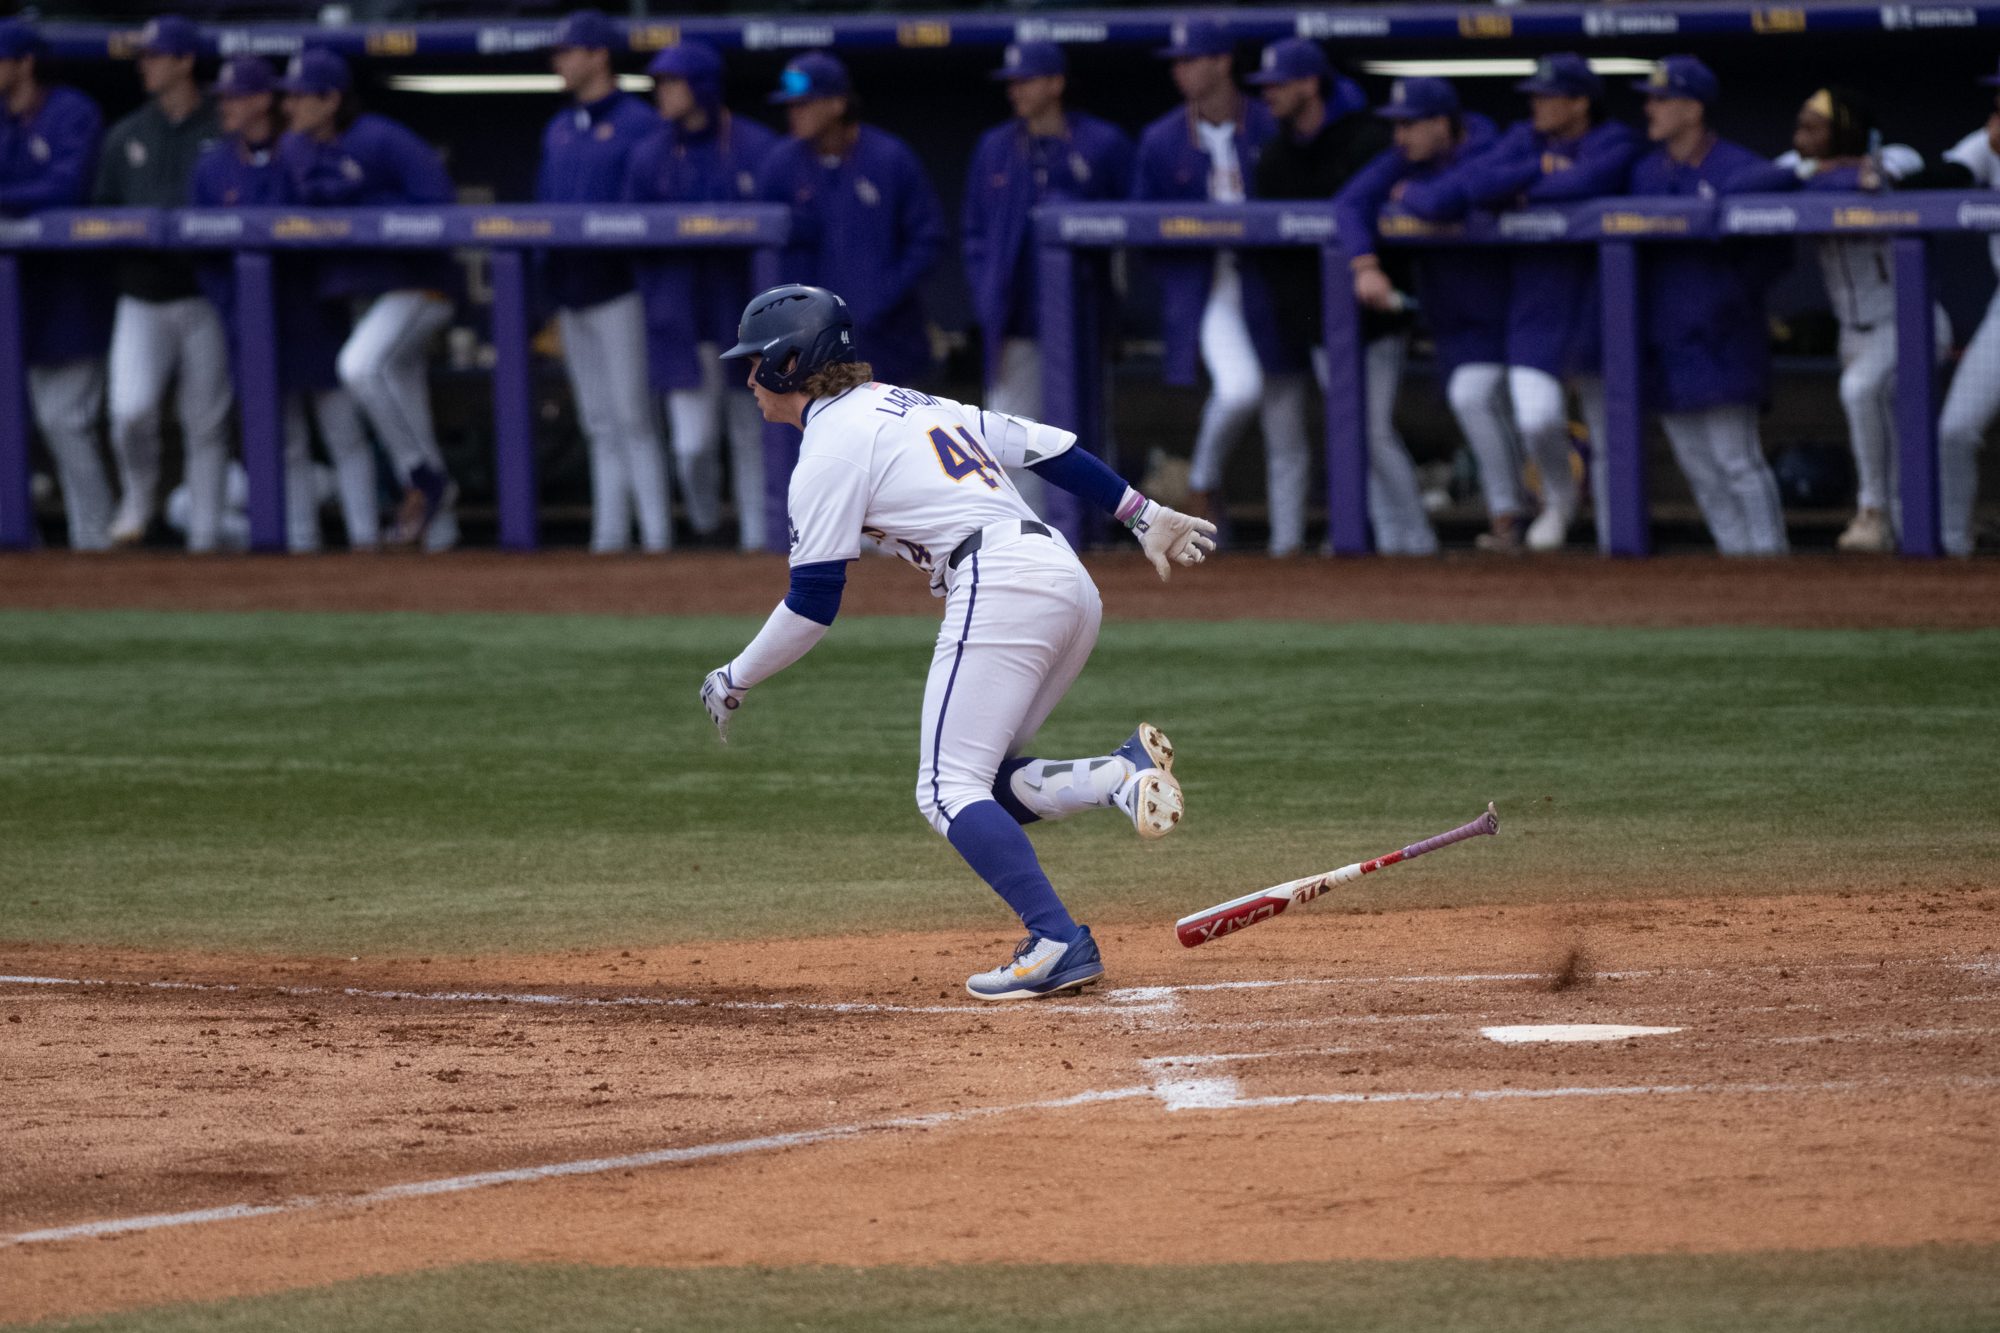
x: 909, y: 474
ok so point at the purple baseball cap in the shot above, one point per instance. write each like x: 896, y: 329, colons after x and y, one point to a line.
x: 814, y: 74
x: 1680, y: 76
x: 18, y: 38
x: 1293, y: 58
x: 1197, y: 37
x: 693, y: 60
x: 586, y: 28
x: 169, y: 35
x: 245, y: 76
x: 1030, y: 60
x: 315, y: 71
x: 1564, y: 75
x: 1419, y: 99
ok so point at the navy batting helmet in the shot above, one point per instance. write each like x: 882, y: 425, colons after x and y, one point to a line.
x: 797, y: 330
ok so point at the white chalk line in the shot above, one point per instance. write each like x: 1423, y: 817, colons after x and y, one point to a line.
x: 589, y: 1166
x: 1175, y: 1095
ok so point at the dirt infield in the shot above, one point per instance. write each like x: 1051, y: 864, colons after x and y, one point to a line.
x: 1316, y: 1088
x: 1803, y: 592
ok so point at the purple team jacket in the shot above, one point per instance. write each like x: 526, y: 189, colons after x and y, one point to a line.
x: 869, y: 229
x: 1463, y: 291
x: 1011, y: 172
x: 310, y: 330
x: 585, y: 151
x: 1173, y: 165
x: 1553, y: 320
x: 48, y: 159
x: 1706, y: 340
x: 694, y: 297
x: 375, y: 163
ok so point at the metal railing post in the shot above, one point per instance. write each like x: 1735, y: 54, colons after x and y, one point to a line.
x: 1624, y: 451
x: 17, y: 503
x: 257, y: 400
x: 1346, y: 409
x: 1916, y: 393
x: 513, y: 406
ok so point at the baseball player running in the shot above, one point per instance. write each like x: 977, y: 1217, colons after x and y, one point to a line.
x: 925, y: 478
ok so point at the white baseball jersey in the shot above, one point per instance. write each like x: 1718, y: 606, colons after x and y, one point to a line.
x: 908, y: 473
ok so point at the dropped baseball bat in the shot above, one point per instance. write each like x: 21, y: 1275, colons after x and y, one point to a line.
x: 1232, y: 916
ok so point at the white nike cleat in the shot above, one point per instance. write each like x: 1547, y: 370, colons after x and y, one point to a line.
x: 1151, y: 798
x: 1041, y: 967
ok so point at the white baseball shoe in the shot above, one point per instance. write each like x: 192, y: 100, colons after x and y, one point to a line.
x: 1151, y: 798
x: 1550, y: 530
x: 1040, y: 967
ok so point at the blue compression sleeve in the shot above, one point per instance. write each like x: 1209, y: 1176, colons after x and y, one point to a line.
x: 999, y: 853
x: 815, y: 592
x: 1082, y: 473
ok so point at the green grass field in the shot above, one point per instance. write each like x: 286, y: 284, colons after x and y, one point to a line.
x: 1933, y: 1289
x: 362, y: 784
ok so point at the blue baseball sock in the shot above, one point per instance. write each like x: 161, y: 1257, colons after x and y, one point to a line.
x: 996, y: 849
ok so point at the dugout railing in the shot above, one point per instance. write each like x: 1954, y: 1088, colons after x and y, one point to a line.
x: 255, y: 235
x: 1073, y: 238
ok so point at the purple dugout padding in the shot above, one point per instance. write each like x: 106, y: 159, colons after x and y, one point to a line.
x: 255, y: 340
x: 1439, y: 24
x: 781, y: 443
x: 1624, y: 456
x: 17, y: 513
x: 513, y: 404
x: 1916, y: 393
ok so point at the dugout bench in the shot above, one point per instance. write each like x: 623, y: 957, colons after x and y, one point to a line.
x: 1074, y: 238
x: 254, y: 235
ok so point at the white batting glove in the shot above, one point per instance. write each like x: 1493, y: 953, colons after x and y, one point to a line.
x: 721, y: 696
x: 1168, y: 535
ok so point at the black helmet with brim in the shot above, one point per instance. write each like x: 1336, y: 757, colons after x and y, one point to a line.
x: 796, y: 330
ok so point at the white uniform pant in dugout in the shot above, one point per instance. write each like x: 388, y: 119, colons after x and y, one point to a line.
x: 1395, y: 501
x: 153, y: 344
x: 1478, y: 395
x: 1237, y: 392
x: 604, y: 350
x: 1723, y: 458
x: 66, y: 399
x: 353, y: 467
x: 1969, y: 409
x: 699, y: 418
x: 1020, y: 620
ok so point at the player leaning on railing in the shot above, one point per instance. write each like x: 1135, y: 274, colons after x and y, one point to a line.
x: 925, y: 478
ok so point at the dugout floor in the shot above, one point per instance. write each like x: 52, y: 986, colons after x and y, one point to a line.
x: 1321, y: 1085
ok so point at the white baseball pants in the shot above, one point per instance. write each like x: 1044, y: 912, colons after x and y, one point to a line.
x: 1590, y: 401
x: 1395, y: 501
x: 1723, y: 458
x: 385, y: 364
x: 1477, y: 392
x: 699, y: 418
x: 1969, y: 408
x: 353, y: 468
x: 1236, y: 394
x: 153, y: 344
x: 66, y: 400
x: 1020, y: 620
x: 1868, y: 397
x: 1541, y: 414
x: 1018, y: 391
x: 604, y: 350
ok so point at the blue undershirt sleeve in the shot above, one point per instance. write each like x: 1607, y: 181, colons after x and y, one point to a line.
x: 1081, y: 472
x: 815, y: 591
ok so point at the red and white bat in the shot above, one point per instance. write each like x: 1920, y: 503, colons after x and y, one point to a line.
x: 1248, y: 910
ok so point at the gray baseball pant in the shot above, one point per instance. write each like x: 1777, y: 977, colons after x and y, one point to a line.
x: 67, y: 398
x: 154, y: 343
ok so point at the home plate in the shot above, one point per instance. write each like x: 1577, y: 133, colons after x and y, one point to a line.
x: 1570, y: 1032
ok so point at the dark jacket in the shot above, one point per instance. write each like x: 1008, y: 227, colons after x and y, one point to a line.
x: 310, y: 330
x: 146, y: 162
x: 1553, y: 320
x: 373, y: 163
x: 694, y: 296
x: 1706, y: 340
x: 869, y: 228
x: 1350, y: 138
x: 1172, y: 164
x: 1462, y: 290
x: 1011, y: 172
x: 585, y: 151
x: 46, y: 161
